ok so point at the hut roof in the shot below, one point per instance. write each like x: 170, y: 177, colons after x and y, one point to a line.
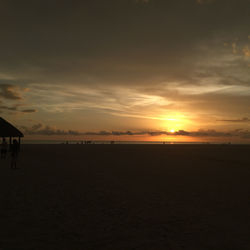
x: 8, y: 130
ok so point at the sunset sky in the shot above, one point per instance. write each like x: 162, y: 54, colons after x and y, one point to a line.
x: 126, y: 69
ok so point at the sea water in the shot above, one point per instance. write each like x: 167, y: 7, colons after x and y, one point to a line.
x: 116, y: 142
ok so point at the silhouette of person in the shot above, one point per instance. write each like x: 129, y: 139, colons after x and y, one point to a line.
x: 14, y: 149
x: 4, y: 147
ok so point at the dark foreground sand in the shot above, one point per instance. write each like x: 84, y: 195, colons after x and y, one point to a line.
x: 126, y: 197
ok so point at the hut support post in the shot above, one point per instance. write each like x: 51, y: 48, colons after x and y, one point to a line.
x: 19, y: 143
x: 10, y: 143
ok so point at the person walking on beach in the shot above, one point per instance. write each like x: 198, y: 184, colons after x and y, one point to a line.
x: 4, y: 147
x: 14, y: 149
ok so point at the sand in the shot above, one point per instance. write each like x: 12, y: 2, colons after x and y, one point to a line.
x: 126, y: 197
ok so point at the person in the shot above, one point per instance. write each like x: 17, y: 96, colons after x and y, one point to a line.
x: 14, y: 149
x: 4, y: 147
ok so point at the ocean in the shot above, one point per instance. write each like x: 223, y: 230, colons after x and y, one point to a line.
x: 119, y: 142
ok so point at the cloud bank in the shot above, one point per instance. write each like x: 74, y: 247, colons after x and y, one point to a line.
x: 40, y: 129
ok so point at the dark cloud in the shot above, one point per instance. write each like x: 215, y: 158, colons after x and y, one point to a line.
x: 28, y: 110
x: 8, y: 91
x: 142, y: 1
x: 245, y: 119
x: 39, y: 129
x: 15, y: 109
x: 205, y: 1
x: 94, y: 42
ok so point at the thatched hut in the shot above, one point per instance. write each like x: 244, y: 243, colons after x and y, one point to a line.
x: 8, y: 130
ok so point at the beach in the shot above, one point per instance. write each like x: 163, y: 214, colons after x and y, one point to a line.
x: 123, y: 197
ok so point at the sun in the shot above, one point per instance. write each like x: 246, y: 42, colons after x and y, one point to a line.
x: 172, y: 130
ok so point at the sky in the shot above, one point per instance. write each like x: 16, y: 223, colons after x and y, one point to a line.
x: 128, y: 69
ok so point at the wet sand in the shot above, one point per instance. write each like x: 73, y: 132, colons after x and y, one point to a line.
x: 126, y: 197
